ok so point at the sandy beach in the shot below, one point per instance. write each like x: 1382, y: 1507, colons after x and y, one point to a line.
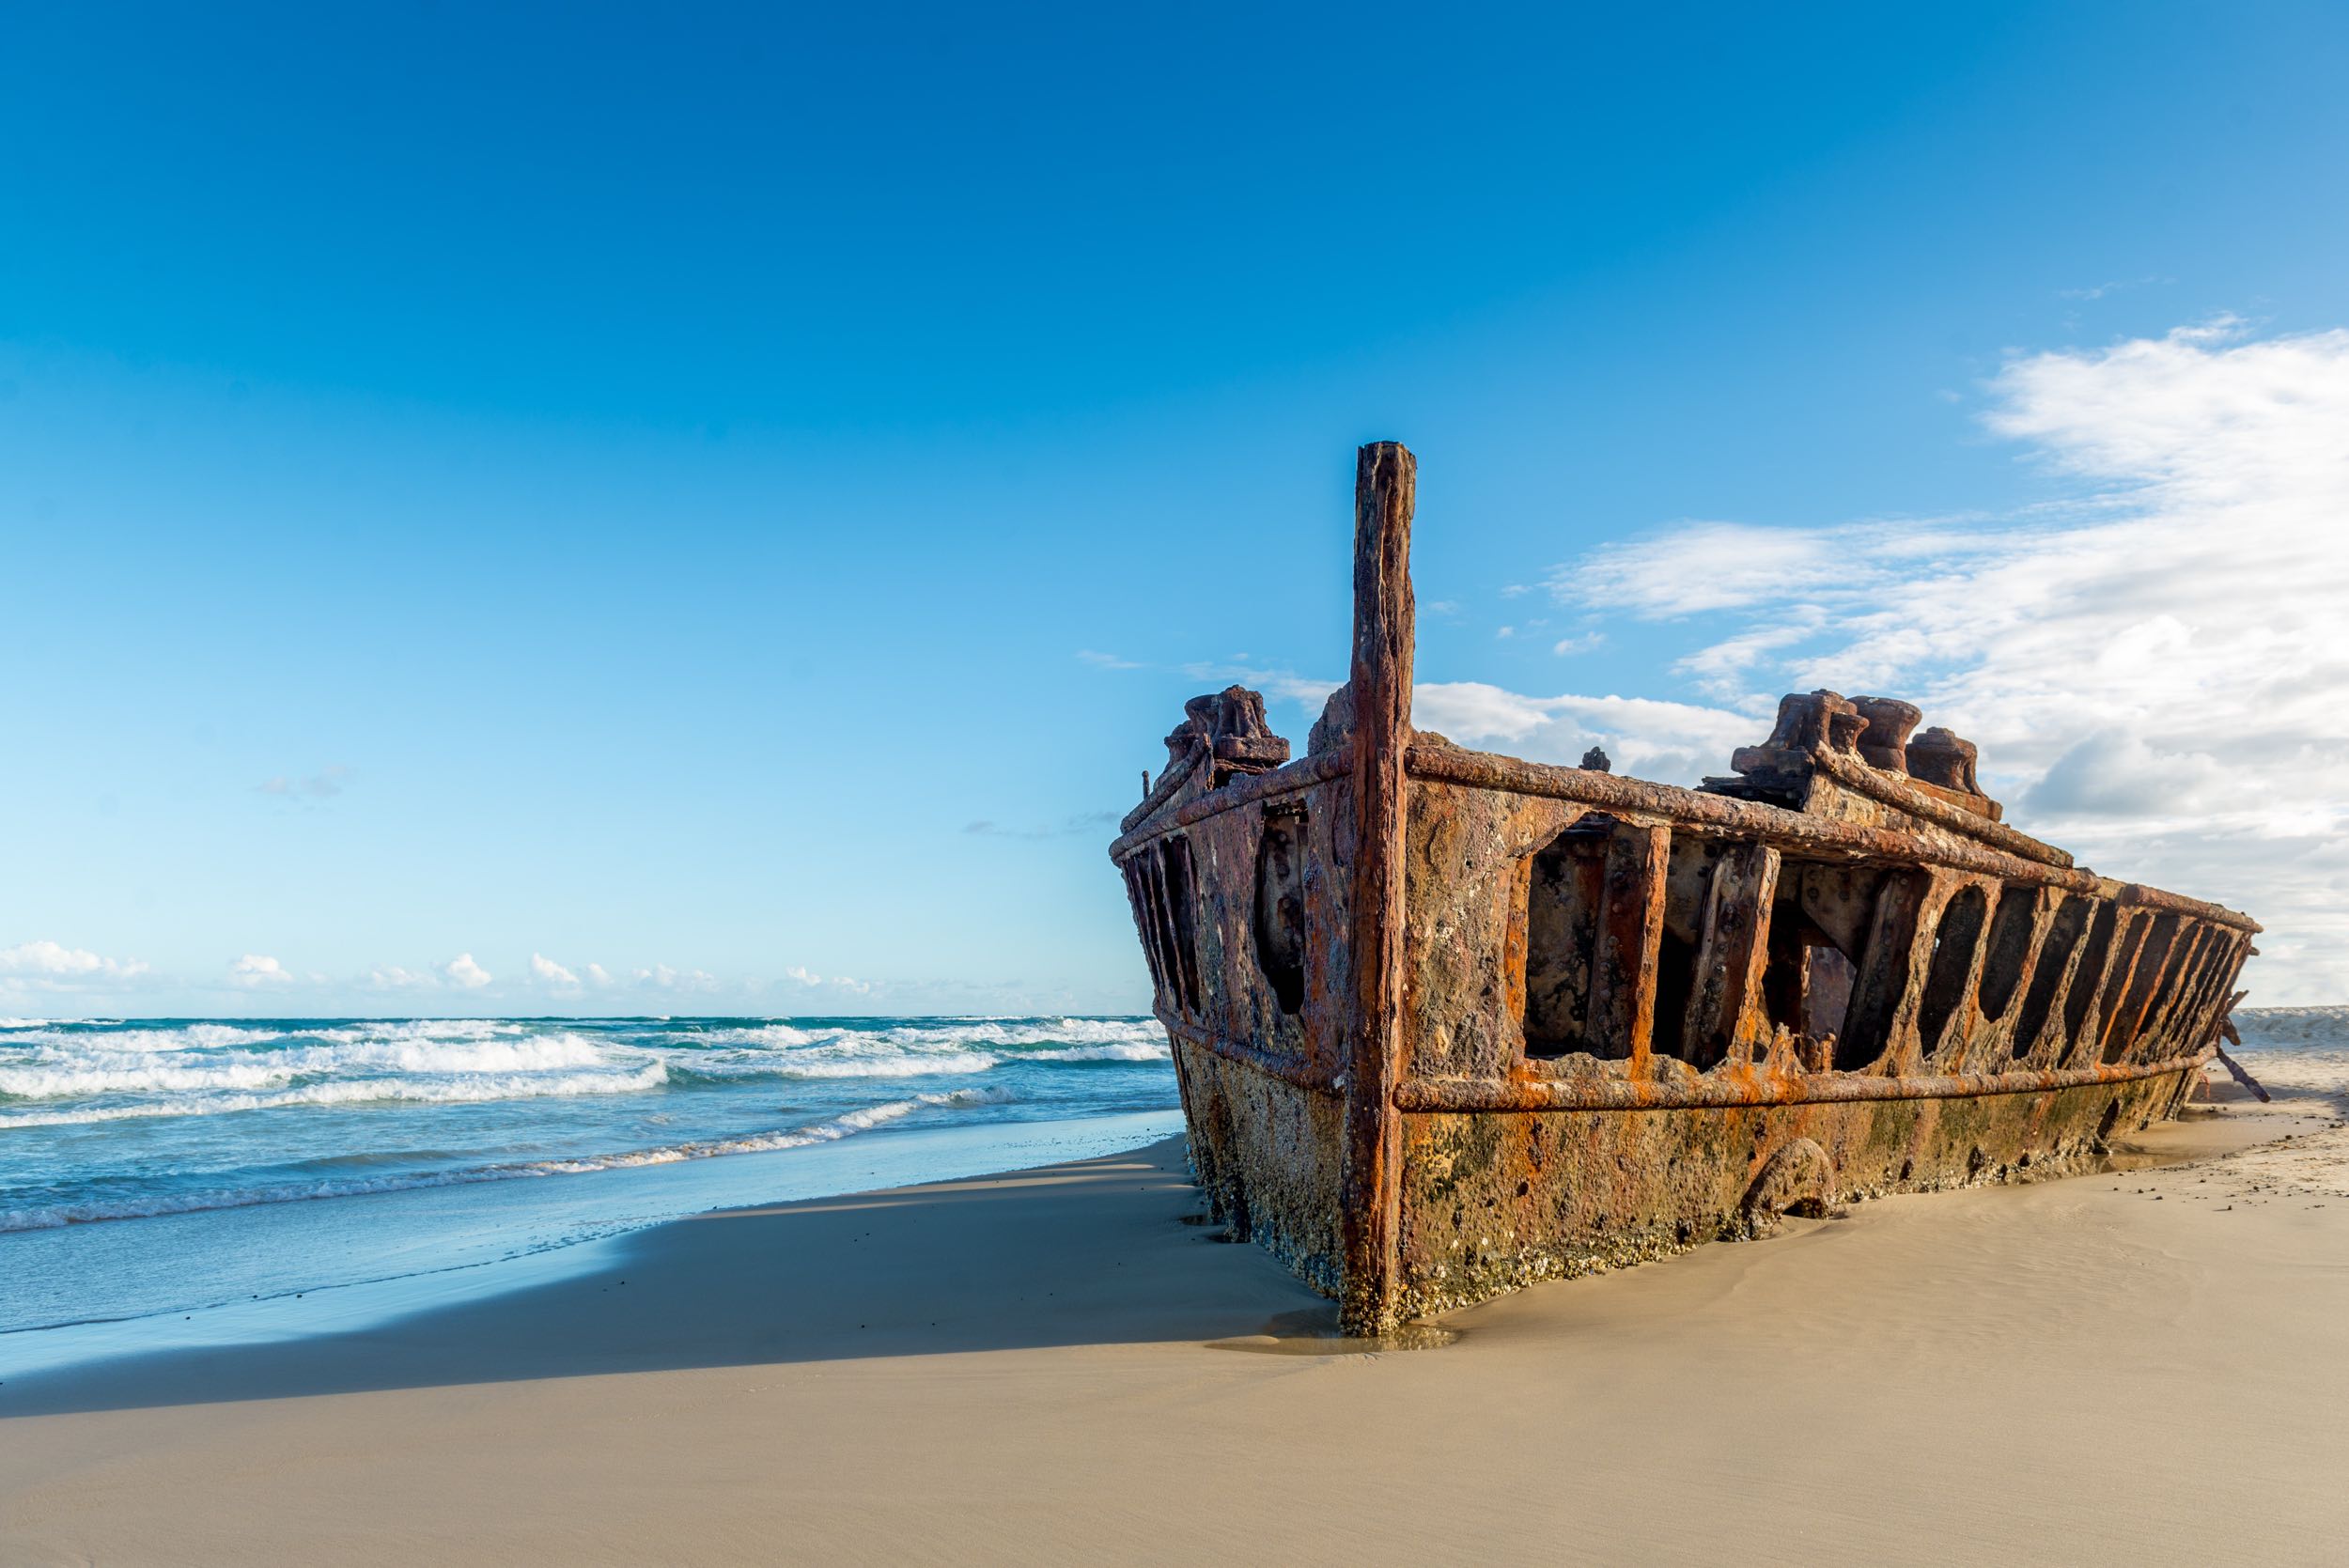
x: 2136, y: 1367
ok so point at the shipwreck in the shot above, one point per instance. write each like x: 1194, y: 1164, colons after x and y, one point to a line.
x: 1445, y: 1022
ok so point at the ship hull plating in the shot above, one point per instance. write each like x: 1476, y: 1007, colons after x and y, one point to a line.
x: 1446, y: 1023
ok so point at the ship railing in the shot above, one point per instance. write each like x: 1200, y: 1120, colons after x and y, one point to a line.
x: 1672, y: 952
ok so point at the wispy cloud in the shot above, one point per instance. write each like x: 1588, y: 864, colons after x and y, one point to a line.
x: 2097, y: 291
x: 1306, y: 692
x: 1082, y: 822
x: 1670, y: 742
x: 1279, y: 685
x: 662, y: 977
x: 2155, y: 663
x: 328, y: 781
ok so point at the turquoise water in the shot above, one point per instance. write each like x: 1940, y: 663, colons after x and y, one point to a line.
x: 154, y: 1166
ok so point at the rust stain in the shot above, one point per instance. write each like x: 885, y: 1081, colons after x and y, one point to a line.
x: 1446, y: 1022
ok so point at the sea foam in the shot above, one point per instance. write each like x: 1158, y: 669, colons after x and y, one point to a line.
x: 103, y: 1120
x: 829, y: 1130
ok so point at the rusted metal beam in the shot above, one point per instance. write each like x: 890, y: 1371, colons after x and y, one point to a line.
x: 2188, y: 950
x: 1154, y: 884
x: 1694, y: 811
x: 1630, y: 931
x: 2219, y: 999
x: 2019, y: 929
x: 1754, y: 1088
x: 1946, y: 1051
x: 1905, y: 795
x: 1879, y: 1026
x: 1132, y: 876
x: 1169, y: 784
x: 2157, y: 965
x: 1288, y: 1066
x: 1385, y: 481
x: 2112, y: 1004
x: 1246, y: 790
x: 1726, y: 1012
x: 2039, y: 1039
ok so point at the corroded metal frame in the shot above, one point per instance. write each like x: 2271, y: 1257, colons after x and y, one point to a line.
x: 1385, y: 1181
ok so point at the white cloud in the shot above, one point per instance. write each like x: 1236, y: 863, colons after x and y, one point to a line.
x: 1670, y: 742
x: 2155, y: 663
x: 55, y: 962
x: 1725, y: 669
x: 2097, y: 291
x: 1740, y: 565
x: 599, y: 976
x: 1277, y: 684
x: 391, y: 977
x: 806, y: 976
x: 662, y: 977
x: 462, y: 971
x: 546, y: 970
x: 1079, y: 822
x: 256, y: 968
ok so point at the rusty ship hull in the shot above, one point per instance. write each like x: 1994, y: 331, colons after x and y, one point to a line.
x: 1446, y: 1022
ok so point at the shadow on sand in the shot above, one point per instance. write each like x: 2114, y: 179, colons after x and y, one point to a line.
x: 1094, y: 1252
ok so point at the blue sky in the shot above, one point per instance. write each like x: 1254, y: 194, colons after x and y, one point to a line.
x: 733, y: 497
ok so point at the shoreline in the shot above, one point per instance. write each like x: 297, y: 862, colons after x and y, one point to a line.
x: 516, y: 1243
x: 1036, y: 1366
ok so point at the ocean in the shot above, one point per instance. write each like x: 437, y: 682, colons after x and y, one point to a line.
x: 161, y: 1165
x: 199, y: 1174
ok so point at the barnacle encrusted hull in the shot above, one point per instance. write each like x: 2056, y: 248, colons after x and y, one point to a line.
x: 1446, y: 1022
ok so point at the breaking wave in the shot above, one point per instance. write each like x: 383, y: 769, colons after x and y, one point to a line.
x: 103, y: 1120
x: 830, y: 1131
x: 205, y: 1068
x: 2301, y: 1049
x: 147, y: 1205
x: 475, y: 1089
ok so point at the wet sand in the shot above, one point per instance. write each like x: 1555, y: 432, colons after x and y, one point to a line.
x: 2148, y: 1366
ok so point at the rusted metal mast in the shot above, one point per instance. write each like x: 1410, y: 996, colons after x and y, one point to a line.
x: 1385, y: 481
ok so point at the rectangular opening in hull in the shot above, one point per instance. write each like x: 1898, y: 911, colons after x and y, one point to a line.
x: 1562, y: 899
x: 1818, y: 924
x: 1174, y: 855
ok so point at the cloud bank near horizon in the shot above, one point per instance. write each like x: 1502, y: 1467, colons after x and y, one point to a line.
x: 48, y: 978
